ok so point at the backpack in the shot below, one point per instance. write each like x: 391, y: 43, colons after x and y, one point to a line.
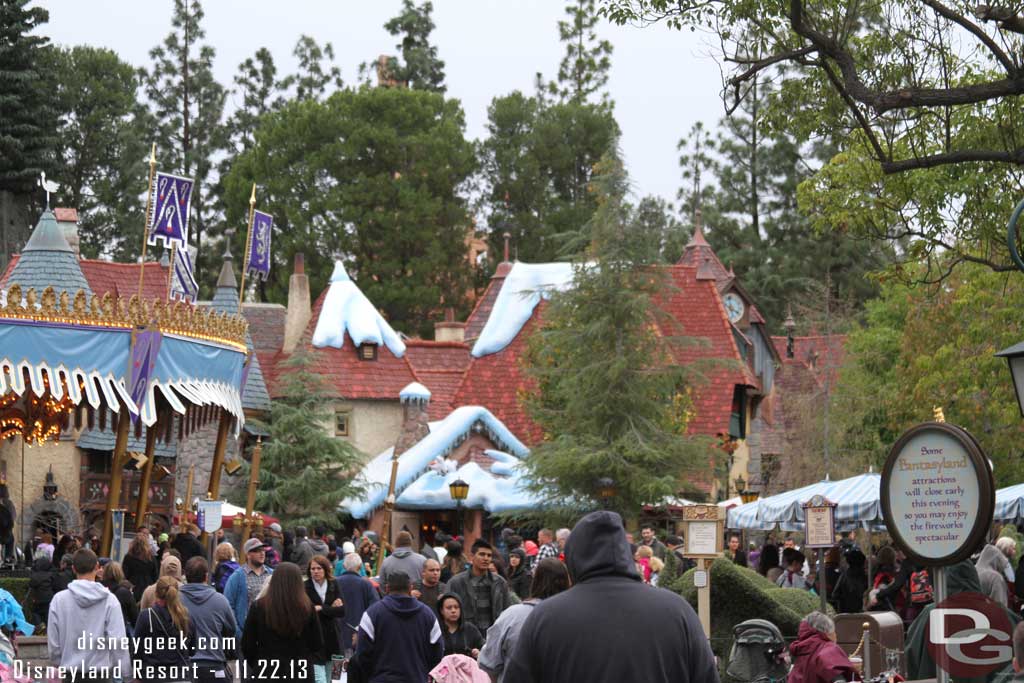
x: 223, y: 573
x: 920, y: 587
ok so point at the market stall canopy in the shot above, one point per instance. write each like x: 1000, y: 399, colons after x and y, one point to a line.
x: 1010, y: 503
x: 858, y: 503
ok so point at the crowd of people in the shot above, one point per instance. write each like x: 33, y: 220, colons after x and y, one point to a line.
x: 293, y: 606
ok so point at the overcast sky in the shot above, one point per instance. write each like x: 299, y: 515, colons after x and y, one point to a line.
x: 662, y: 81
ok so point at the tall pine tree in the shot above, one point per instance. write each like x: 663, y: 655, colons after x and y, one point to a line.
x: 539, y: 156
x: 609, y: 394
x: 420, y: 68
x: 27, y: 119
x: 318, y: 75
x: 101, y: 148
x: 188, y: 105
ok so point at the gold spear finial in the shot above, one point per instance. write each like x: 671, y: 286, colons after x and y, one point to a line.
x: 252, y: 198
x: 152, y: 155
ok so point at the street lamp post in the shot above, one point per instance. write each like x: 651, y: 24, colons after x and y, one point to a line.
x: 459, y: 491
x: 606, y: 491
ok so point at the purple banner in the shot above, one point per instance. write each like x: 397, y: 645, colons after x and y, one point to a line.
x: 183, y: 279
x: 172, y: 201
x: 258, y: 260
x: 145, y: 347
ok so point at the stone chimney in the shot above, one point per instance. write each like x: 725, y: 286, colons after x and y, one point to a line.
x: 67, y: 219
x: 449, y: 330
x: 415, y: 399
x: 299, y: 308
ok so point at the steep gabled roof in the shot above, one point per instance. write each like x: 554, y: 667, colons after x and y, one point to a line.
x: 47, y: 261
x: 440, y: 367
x: 344, y: 374
x: 482, y: 311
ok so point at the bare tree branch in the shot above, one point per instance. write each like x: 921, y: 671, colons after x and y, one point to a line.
x: 1008, y: 19
x: 977, y: 32
x: 1015, y: 156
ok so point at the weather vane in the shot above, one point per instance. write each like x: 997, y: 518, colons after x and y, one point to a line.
x: 48, y: 187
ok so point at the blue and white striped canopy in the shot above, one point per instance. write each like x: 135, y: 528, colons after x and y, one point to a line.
x: 857, y: 503
x: 1010, y: 503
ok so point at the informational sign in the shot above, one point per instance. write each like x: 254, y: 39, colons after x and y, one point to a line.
x: 700, y: 579
x: 819, y: 516
x: 937, y: 494
x: 703, y: 531
x: 210, y: 515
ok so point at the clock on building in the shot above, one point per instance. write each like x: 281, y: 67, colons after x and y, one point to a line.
x: 733, y: 306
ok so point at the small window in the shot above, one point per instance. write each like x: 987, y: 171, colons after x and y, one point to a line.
x: 342, y: 423
x: 367, y: 352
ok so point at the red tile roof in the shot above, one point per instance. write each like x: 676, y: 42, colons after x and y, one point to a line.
x: 117, y: 278
x: 482, y: 311
x: 696, y: 307
x: 498, y: 382
x: 822, y: 354
x: 439, y: 366
x: 344, y: 374
x: 66, y: 215
x: 266, y: 325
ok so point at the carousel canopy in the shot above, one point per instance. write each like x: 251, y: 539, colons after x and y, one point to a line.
x: 61, y: 348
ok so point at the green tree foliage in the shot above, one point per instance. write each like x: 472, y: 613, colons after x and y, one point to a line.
x: 304, y: 469
x: 376, y: 175
x: 539, y: 155
x: 102, y: 148
x: 318, y: 75
x: 608, y: 393
x: 588, y: 59
x: 749, y: 200
x: 188, y: 105
x: 420, y: 68
x: 28, y: 120
x: 257, y: 88
x: 921, y: 99
x: 655, y: 218
x: 922, y: 347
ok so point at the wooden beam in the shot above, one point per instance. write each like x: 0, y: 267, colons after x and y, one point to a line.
x: 124, y: 422
x: 147, y: 474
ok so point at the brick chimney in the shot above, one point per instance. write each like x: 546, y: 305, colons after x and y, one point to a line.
x: 299, y: 308
x: 67, y: 219
x: 415, y: 399
x: 449, y: 330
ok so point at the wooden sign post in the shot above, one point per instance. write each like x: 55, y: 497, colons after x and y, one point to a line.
x: 704, y: 525
x: 820, y: 533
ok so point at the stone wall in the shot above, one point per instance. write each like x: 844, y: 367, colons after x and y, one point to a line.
x: 66, y: 461
x: 197, y: 449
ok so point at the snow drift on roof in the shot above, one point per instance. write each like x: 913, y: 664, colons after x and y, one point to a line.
x: 414, y: 391
x: 414, y: 465
x: 525, y: 285
x: 346, y: 309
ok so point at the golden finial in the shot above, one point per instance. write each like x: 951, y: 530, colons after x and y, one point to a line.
x: 252, y: 198
x: 152, y: 155
x: 938, y: 414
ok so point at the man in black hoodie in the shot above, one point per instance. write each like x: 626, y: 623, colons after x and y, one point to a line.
x: 609, y: 626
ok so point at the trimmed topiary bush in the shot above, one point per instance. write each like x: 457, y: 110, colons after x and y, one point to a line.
x: 16, y: 587
x: 738, y: 594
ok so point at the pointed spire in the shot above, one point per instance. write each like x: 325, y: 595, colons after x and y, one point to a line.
x: 227, y: 271
x: 697, y: 240
x: 48, y: 261
x: 705, y: 271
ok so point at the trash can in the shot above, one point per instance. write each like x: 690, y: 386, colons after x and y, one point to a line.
x: 885, y: 630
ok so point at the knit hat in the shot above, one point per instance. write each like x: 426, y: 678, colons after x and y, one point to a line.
x: 163, y: 537
x: 170, y: 566
x: 347, y: 547
x: 531, y: 548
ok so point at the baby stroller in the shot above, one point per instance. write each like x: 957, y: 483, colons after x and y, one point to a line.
x: 757, y: 653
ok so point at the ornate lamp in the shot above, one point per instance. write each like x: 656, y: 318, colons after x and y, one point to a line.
x: 459, y: 491
x: 606, y: 491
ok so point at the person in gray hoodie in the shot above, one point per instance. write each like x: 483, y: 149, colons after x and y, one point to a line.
x: 403, y: 559
x: 85, y: 632
x: 214, y: 621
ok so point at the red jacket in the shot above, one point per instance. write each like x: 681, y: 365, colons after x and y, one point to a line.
x: 816, y: 659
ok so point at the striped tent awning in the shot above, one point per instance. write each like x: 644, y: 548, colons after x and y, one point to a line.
x: 1009, y: 503
x: 858, y: 503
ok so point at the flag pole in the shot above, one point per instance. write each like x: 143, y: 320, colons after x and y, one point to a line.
x: 170, y: 274
x: 248, y: 246
x: 149, y: 209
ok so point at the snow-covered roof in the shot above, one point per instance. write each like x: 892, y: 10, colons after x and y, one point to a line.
x: 420, y: 486
x: 346, y: 309
x: 524, y: 287
x: 414, y: 391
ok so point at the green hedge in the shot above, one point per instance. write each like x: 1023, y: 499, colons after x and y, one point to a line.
x: 16, y: 587
x: 738, y: 594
